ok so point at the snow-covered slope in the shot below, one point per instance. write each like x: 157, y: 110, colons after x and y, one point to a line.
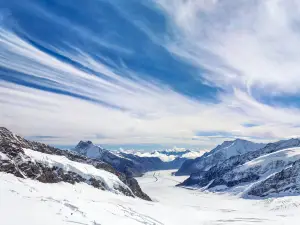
x: 108, y: 180
x: 119, y: 162
x: 258, y: 173
x: 33, y: 160
x: 26, y: 201
x: 219, y: 154
x: 90, y: 150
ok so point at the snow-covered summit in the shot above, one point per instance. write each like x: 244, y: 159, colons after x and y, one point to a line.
x: 220, y: 153
x: 90, y: 150
x: 235, y: 147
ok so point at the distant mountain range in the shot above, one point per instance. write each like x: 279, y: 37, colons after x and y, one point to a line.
x: 134, y: 163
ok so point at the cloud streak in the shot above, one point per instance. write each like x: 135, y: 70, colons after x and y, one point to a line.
x: 71, y: 93
x: 248, y: 44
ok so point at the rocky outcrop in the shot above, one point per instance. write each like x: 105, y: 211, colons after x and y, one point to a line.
x: 14, y: 160
x: 285, y: 182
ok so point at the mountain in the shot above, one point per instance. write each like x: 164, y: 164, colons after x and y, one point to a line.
x: 133, y: 164
x: 155, y: 163
x: 34, y: 160
x: 284, y: 183
x: 117, y: 161
x: 219, y: 154
x: 272, y: 170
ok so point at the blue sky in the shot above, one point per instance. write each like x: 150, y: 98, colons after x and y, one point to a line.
x: 152, y: 73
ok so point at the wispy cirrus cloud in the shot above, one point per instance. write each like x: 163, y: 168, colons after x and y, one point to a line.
x: 78, y: 90
x: 252, y: 45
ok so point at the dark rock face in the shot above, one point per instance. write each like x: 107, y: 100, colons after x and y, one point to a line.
x: 188, y: 167
x: 286, y: 181
x: 155, y: 163
x: 13, y: 160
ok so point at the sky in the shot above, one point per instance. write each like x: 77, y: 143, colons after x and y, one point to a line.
x: 150, y: 74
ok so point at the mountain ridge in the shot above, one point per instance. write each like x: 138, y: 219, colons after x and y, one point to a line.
x: 219, y: 154
x: 273, y: 169
x: 29, y: 159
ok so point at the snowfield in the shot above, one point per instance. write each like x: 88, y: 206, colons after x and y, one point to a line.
x: 286, y: 155
x: 29, y: 202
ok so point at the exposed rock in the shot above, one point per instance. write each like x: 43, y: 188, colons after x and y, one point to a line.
x: 204, y: 178
x: 285, y: 182
x: 14, y: 160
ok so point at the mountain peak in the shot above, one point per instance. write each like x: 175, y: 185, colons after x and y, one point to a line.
x: 85, y: 142
x: 89, y: 149
x: 83, y: 145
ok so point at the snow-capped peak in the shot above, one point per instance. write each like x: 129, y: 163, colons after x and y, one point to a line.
x: 219, y: 154
x: 88, y: 149
x: 236, y: 147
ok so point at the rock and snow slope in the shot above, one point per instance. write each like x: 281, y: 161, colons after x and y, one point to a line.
x: 219, y: 154
x: 272, y: 170
x: 26, y: 201
x: 109, y: 181
x: 43, y: 163
x: 120, y: 163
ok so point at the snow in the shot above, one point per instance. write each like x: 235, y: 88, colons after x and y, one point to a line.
x: 92, y: 151
x: 84, y: 170
x: 236, y: 147
x: 3, y: 156
x: 221, y: 153
x: 286, y: 155
x: 163, y: 157
x: 25, y: 201
x: 168, y: 155
x: 193, y: 155
x: 270, y: 163
x: 263, y: 166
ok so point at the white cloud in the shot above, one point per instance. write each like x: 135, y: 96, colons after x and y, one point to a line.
x: 244, y: 47
x: 244, y: 44
x: 163, y: 157
x: 193, y: 154
x: 169, y: 156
